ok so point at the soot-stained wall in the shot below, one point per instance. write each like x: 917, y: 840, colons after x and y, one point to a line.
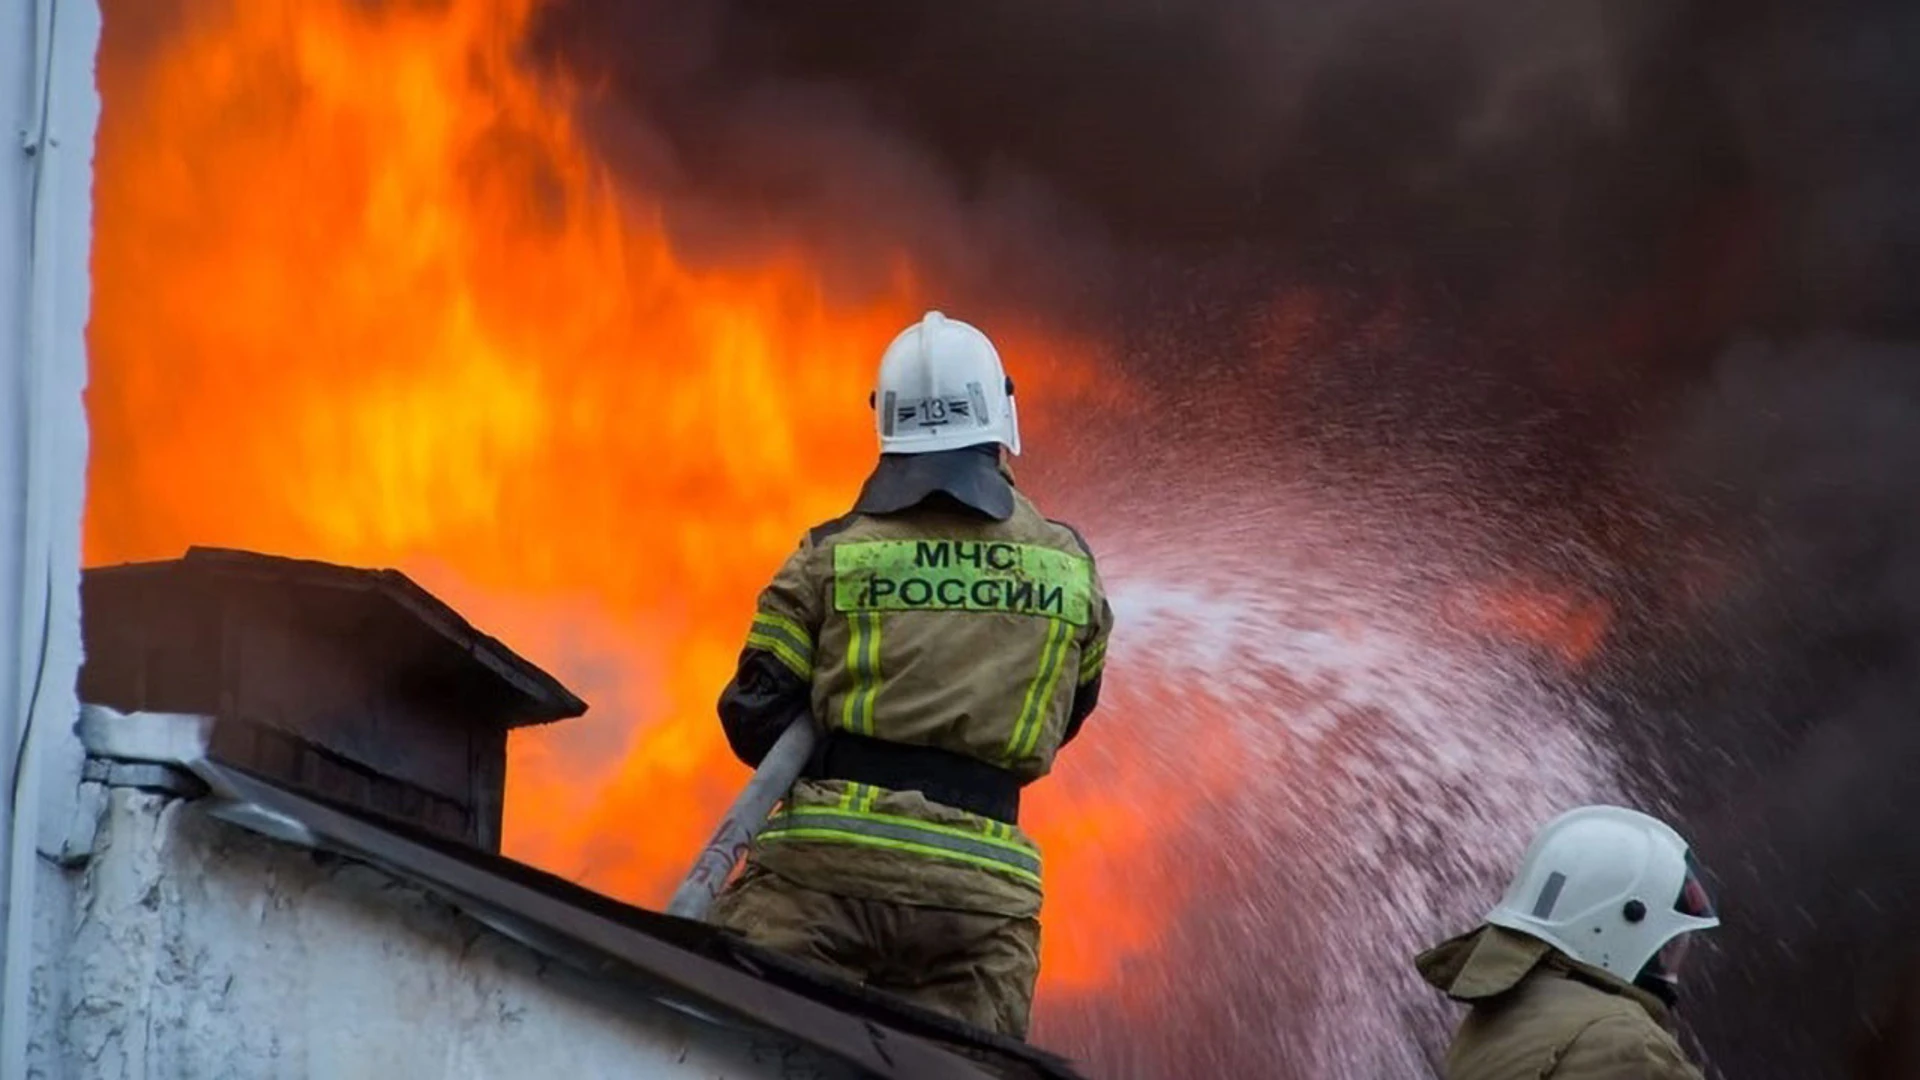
x: 188, y: 947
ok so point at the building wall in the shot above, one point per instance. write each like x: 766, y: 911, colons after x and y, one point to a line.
x: 198, y: 949
x: 48, y: 108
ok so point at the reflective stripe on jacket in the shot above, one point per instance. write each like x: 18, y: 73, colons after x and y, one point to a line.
x: 941, y: 628
x: 900, y: 847
x: 934, y: 626
x: 853, y: 818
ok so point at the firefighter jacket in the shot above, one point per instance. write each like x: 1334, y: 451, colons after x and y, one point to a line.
x: 1537, y: 1013
x: 947, y: 640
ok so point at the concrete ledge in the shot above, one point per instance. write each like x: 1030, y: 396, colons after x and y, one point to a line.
x: 155, y: 738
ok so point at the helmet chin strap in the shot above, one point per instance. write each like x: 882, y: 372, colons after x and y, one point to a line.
x: 1655, y: 979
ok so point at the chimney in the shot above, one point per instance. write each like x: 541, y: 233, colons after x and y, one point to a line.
x: 356, y: 686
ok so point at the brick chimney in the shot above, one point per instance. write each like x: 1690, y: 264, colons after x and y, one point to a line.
x: 353, y: 685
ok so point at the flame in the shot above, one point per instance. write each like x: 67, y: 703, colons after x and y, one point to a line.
x: 1564, y: 621
x: 363, y: 292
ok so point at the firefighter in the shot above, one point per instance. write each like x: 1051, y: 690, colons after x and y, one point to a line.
x: 1574, y: 973
x: 947, y: 640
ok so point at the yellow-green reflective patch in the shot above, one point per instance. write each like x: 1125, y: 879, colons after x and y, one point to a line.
x: 962, y: 575
x: 1092, y: 661
x: 780, y: 650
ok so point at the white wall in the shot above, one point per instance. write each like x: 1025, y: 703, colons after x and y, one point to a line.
x: 199, y: 949
x: 48, y: 112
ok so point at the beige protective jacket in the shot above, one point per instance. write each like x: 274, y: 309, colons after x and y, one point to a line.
x: 1538, y: 1014
x: 946, y: 613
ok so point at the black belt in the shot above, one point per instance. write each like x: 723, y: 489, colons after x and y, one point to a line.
x: 944, y: 777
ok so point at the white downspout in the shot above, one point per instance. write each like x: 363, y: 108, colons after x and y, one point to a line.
x: 47, y: 370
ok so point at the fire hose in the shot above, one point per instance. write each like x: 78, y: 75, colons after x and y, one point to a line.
x: 744, y: 820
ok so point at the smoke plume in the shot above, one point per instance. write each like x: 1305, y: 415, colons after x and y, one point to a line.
x: 1627, y: 287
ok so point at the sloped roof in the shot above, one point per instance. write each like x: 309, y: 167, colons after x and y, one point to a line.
x: 688, y: 964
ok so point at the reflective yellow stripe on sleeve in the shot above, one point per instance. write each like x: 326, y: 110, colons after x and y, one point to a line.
x: 1093, y: 661
x: 787, y: 641
x: 775, y: 623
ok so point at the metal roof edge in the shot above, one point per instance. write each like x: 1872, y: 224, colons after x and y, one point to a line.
x: 582, y: 928
x: 536, y: 919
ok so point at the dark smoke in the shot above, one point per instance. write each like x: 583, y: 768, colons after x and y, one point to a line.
x: 1120, y: 153
x: 1785, y: 714
x: 1551, y: 213
x: 1638, y: 277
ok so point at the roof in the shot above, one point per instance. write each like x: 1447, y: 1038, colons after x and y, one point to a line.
x: 690, y: 964
x: 535, y: 696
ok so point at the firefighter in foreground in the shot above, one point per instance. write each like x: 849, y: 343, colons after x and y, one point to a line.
x: 947, y: 639
x: 1574, y: 972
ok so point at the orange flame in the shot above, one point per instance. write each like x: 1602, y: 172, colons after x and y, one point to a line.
x: 1564, y: 622
x: 363, y: 293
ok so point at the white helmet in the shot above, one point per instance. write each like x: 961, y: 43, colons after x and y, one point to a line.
x: 1607, y: 886
x: 941, y: 387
